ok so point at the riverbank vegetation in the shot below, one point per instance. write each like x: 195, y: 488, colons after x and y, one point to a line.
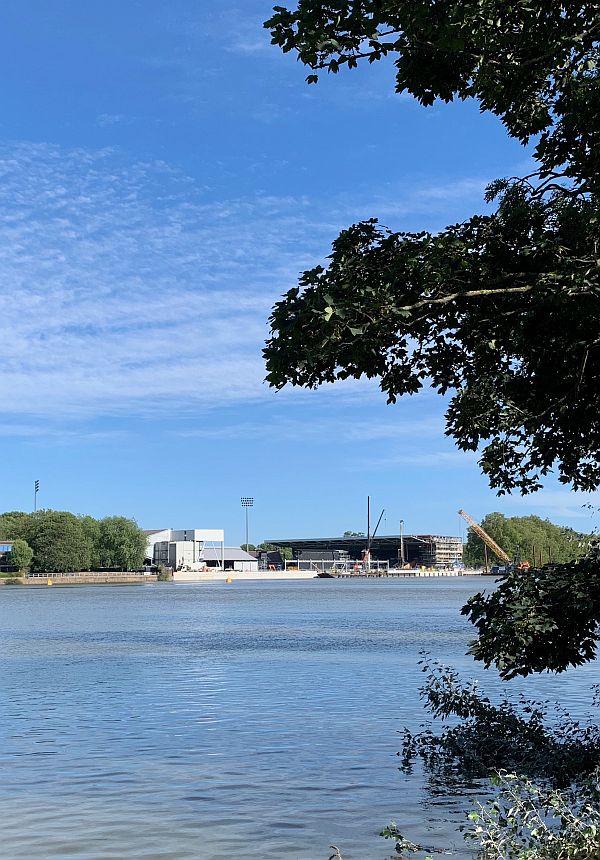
x: 525, y: 736
x: 538, y: 767
x: 543, y: 621
x: 50, y: 541
x: 527, y: 538
x: 20, y: 556
x: 538, y: 822
x: 526, y: 821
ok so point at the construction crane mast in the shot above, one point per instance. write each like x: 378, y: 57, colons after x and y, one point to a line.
x: 485, y: 537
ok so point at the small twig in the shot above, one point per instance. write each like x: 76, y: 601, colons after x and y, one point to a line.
x: 582, y: 370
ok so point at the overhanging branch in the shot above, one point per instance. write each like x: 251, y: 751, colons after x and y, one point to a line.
x: 444, y: 300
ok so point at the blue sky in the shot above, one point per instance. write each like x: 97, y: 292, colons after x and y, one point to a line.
x: 165, y: 175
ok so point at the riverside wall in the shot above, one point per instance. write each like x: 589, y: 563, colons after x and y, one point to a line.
x: 240, y: 575
x: 281, y: 575
x: 128, y: 578
x: 85, y: 578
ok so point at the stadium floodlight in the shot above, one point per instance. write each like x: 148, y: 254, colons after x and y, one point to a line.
x: 247, y: 502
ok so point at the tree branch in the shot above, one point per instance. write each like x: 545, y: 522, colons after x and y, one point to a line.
x: 444, y: 300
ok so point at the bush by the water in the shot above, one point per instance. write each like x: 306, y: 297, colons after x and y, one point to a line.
x: 537, y: 739
x: 544, y: 765
x: 526, y: 821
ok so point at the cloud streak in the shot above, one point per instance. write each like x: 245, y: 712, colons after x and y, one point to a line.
x: 121, y: 286
x: 563, y: 503
x: 125, y: 286
x: 344, y: 428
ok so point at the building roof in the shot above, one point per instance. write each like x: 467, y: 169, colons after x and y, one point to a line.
x: 352, y: 541
x: 231, y: 553
x: 234, y: 553
x: 348, y: 543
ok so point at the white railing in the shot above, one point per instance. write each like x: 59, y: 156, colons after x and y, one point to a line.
x: 88, y: 573
x: 344, y: 566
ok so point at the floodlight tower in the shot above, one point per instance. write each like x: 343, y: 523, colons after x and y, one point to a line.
x: 247, y: 502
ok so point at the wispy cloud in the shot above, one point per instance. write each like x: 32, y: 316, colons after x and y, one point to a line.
x: 344, y: 427
x: 241, y: 37
x: 395, y: 205
x: 563, y: 504
x: 108, y: 119
x: 424, y: 459
x: 248, y: 36
x: 125, y: 285
x: 122, y: 286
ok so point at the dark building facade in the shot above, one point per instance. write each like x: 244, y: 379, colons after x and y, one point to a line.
x: 419, y: 550
x: 5, y: 550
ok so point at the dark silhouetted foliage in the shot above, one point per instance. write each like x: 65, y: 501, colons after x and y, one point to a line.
x: 502, y: 311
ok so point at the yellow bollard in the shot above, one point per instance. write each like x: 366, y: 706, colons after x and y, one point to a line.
x: 49, y: 581
x: 229, y: 579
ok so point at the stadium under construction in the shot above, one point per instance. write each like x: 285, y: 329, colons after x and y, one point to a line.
x: 429, y: 551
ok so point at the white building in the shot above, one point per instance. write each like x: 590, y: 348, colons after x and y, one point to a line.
x: 196, y: 550
x: 239, y: 560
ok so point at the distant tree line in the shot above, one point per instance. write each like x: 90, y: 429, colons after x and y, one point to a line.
x: 526, y: 538
x: 52, y: 541
x: 286, y: 551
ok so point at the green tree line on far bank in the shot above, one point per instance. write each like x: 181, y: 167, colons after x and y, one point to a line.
x: 52, y: 541
x: 286, y: 551
x: 526, y: 539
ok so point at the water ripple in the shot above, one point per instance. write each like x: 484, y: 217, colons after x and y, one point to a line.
x: 200, y: 722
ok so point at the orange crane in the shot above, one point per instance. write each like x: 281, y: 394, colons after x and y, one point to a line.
x: 503, y: 556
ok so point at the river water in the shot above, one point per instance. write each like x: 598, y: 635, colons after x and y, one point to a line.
x: 255, y: 720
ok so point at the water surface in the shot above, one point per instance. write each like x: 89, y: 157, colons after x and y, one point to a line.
x: 207, y: 721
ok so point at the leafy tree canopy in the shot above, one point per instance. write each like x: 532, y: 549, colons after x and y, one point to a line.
x: 544, y: 620
x: 58, y: 541
x: 62, y: 541
x: 121, y: 543
x: 13, y: 524
x: 91, y: 527
x: 526, y: 538
x: 481, y: 737
x: 502, y: 310
x: 20, y: 555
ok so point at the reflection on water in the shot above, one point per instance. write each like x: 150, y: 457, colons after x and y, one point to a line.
x: 171, y: 722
